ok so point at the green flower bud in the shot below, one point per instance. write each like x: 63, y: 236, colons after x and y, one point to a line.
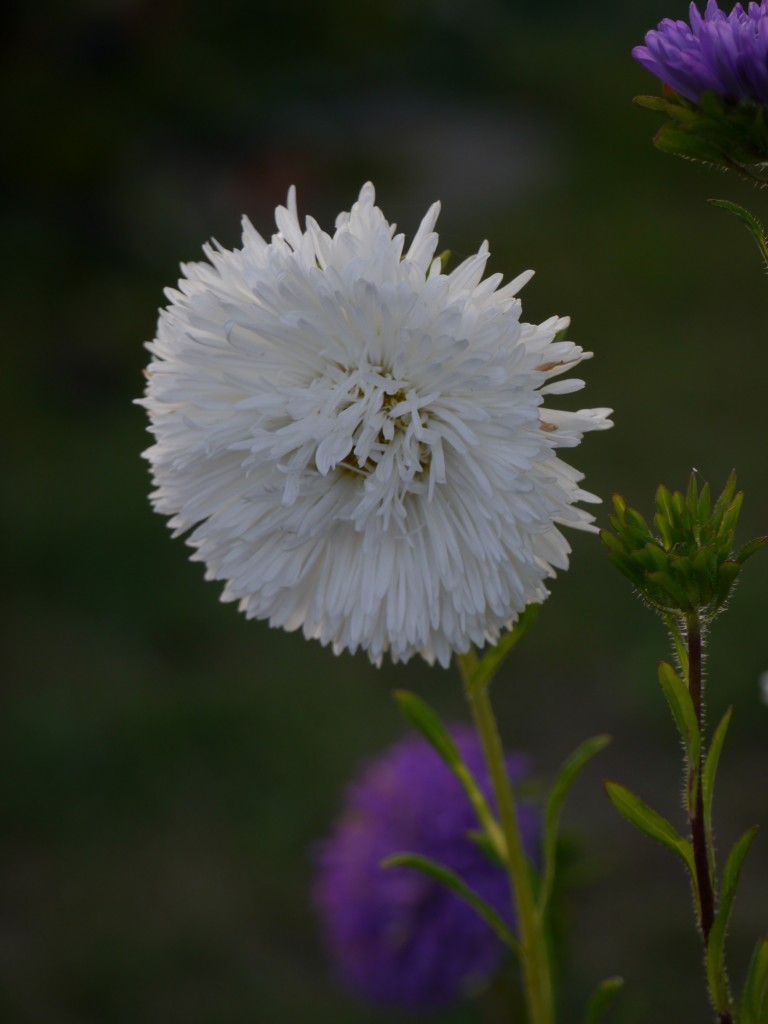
x: 686, y: 563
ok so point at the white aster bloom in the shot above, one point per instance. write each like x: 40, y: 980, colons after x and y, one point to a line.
x: 358, y: 441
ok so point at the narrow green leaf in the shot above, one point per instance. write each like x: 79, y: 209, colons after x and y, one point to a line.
x: 749, y: 549
x: 705, y: 504
x: 724, y: 500
x: 628, y: 568
x: 708, y: 780
x: 679, y: 644
x: 619, y: 506
x: 731, y: 515
x: 704, y: 561
x: 692, y: 494
x: 664, y: 530
x: 651, y: 103
x: 683, y: 114
x: 664, y: 501
x: 718, y: 986
x: 726, y: 576
x: 711, y: 104
x: 421, y: 716
x: 652, y: 824
x: 482, y: 842
x: 601, y: 999
x: 634, y: 519
x: 734, y: 865
x: 671, y: 588
x: 746, y: 218
x: 679, y: 510
x: 612, y: 542
x: 450, y: 880
x: 565, y: 779
x: 492, y: 661
x: 681, y: 706
x: 656, y: 556
x: 754, y: 1004
x: 673, y: 140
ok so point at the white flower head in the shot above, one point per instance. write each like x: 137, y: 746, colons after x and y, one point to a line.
x: 358, y: 441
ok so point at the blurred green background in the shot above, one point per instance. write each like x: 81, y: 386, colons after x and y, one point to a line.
x: 166, y: 767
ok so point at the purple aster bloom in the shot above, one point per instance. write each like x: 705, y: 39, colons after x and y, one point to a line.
x: 396, y: 936
x: 723, y: 53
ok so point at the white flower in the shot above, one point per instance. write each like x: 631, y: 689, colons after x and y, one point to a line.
x: 359, y: 439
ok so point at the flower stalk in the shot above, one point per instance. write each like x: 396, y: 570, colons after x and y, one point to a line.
x: 537, y: 980
x: 703, y: 852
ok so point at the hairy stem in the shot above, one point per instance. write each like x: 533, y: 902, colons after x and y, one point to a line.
x: 537, y: 981
x: 699, y: 840
x: 698, y: 831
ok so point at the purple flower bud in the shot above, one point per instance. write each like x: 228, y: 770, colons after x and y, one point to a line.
x: 394, y: 935
x: 718, y: 52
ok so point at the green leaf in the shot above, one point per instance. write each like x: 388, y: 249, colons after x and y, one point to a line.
x: 724, y: 500
x: 746, y: 218
x: 492, y: 661
x: 651, y: 103
x: 657, y: 558
x: 718, y: 986
x: 681, y: 706
x: 679, y: 644
x: 754, y: 1003
x: 652, y: 824
x: 705, y: 504
x: 664, y: 530
x: 692, y: 494
x: 672, y: 590
x: 749, y: 549
x: 612, y: 542
x: 565, y: 779
x: 726, y: 576
x: 664, y: 502
x: 421, y: 716
x: 708, y: 780
x: 450, y: 880
x: 601, y: 999
x: 619, y: 505
x: 482, y: 842
x: 635, y: 520
x: 711, y: 104
x: 680, y: 143
x: 731, y: 516
x: 627, y: 567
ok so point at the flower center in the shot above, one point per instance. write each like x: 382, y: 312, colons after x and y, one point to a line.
x: 381, y: 418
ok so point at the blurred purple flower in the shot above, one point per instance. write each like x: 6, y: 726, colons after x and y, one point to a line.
x: 395, y: 936
x: 719, y: 52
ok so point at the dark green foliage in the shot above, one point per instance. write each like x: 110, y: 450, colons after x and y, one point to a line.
x: 728, y: 135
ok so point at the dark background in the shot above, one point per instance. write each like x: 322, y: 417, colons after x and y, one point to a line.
x: 166, y: 765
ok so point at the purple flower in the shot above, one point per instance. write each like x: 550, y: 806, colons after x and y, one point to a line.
x: 723, y: 53
x: 395, y: 936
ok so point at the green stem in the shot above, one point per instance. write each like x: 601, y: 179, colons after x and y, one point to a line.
x: 698, y: 832
x: 537, y: 980
x: 702, y: 854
